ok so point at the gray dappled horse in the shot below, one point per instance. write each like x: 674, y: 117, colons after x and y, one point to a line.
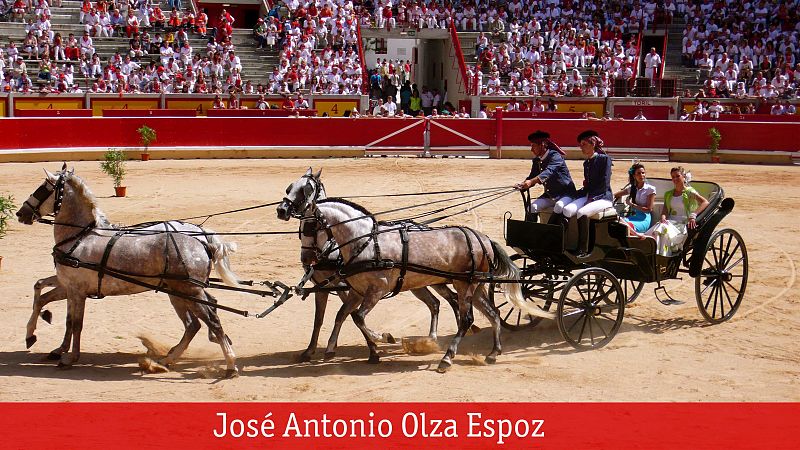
x: 313, y: 240
x: 87, y: 247
x: 454, y: 255
x: 58, y: 292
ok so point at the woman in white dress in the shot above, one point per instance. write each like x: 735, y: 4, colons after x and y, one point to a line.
x: 682, y: 205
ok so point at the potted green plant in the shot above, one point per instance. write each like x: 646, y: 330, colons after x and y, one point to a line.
x: 713, y: 147
x: 147, y: 136
x: 113, y: 165
x: 7, y: 208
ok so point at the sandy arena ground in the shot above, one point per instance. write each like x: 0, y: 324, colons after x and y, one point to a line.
x: 660, y: 354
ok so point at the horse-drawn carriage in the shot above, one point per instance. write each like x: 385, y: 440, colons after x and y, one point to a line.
x: 368, y: 260
x: 590, y: 293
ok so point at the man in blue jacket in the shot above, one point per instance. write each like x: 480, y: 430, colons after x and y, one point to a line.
x: 550, y: 170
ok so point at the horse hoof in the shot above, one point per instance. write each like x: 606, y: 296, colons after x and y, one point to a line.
x: 47, y: 316
x: 29, y: 341
x: 329, y: 356
x: 232, y: 373
x: 305, y: 357
x: 388, y: 338
x: 444, y: 366
x: 64, y: 366
x: 490, y: 359
x: 53, y: 356
x: 374, y: 359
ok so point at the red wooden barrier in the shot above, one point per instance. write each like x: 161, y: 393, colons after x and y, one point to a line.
x: 149, y: 113
x: 260, y: 112
x: 755, y: 118
x: 52, y: 113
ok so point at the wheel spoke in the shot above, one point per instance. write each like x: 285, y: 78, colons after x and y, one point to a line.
x: 510, y: 311
x: 715, y: 294
x: 591, y: 330
x: 597, y: 322
x: 728, y: 297
x: 733, y: 266
x: 503, y: 304
x: 583, y: 319
x: 732, y: 287
x: 731, y: 254
x: 713, y: 282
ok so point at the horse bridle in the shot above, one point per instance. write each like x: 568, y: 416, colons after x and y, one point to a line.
x: 315, y: 186
x: 43, y: 192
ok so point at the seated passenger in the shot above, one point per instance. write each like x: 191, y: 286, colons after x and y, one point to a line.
x: 681, y: 207
x: 596, y: 195
x: 550, y: 170
x: 641, y: 196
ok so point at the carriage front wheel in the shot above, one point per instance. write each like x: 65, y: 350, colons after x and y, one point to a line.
x: 590, y: 309
x: 719, y: 288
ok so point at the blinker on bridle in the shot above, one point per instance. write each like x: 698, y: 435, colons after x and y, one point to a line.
x: 43, y: 192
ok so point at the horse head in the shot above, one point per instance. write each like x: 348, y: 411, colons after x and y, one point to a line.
x: 301, y: 196
x: 46, y: 199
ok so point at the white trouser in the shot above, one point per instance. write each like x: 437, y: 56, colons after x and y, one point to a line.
x: 581, y: 208
x: 544, y: 203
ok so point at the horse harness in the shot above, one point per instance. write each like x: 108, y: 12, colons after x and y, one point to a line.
x: 65, y: 258
x: 343, y: 270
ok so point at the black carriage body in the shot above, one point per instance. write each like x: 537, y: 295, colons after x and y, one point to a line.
x: 628, y: 258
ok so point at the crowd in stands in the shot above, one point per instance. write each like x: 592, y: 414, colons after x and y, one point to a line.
x: 159, y: 58
x: 318, y: 46
x: 744, y: 49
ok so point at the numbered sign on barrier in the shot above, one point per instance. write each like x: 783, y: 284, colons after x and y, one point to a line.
x: 334, y: 108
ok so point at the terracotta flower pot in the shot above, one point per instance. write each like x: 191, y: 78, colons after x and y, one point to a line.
x: 714, y: 158
x: 120, y: 191
x: 145, y: 156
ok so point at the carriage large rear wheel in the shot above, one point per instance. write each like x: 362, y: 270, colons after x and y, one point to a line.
x: 590, y: 309
x: 720, y: 287
x: 538, y: 290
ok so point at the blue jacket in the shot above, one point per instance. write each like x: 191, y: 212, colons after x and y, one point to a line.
x: 597, y: 173
x: 553, y: 172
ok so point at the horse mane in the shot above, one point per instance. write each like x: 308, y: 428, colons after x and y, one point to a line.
x: 366, y: 213
x: 353, y: 205
x: 81, y: 188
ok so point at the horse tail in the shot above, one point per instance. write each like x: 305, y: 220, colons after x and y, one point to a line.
x: 513, y: 291
x: 219, y: 256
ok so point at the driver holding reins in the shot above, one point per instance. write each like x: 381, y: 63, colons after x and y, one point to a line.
x: 550, y: 170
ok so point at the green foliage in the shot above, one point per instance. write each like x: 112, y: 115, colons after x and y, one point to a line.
x: 147, y: 136
x: 7, y: 208
x: 114, y: 165
x: 716, y: 137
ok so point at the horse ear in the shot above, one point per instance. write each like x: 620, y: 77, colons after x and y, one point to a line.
x: 64, y: 167
x: 318, y: 174
x: 50, y: 176
x: 72, y: 171
x: 309, y: 172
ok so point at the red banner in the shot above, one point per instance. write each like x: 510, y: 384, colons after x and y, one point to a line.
x: 419, y: 426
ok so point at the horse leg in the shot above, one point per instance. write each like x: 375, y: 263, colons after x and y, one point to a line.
x: 370, y: 334
x: 55, y: 354
x: 433, y: 305
x: 450, y: 296
x: 465, y: 294
x: 349, y: 304
x: 320, y: 303
x: 487, y: 308
x: 211, y: 319
x: 358, y: 316
x: 76, y: 303
x: 191, y: 327
x: 452, y: 299
x: 39, y: 302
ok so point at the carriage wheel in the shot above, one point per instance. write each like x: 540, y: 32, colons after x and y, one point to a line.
x: 723, y: 278
x: 537, y: 290
x: 590, y: 309
x: 631, y: 290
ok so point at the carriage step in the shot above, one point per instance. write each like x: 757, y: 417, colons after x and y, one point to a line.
x: 667, y: 299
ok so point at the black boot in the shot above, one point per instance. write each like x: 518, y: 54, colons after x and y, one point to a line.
x: 555, y: 219
x: 583, y: 237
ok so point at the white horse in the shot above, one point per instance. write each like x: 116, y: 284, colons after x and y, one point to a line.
x: 313, y: 240
x: 93, y: 259
x: 376, y: 256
